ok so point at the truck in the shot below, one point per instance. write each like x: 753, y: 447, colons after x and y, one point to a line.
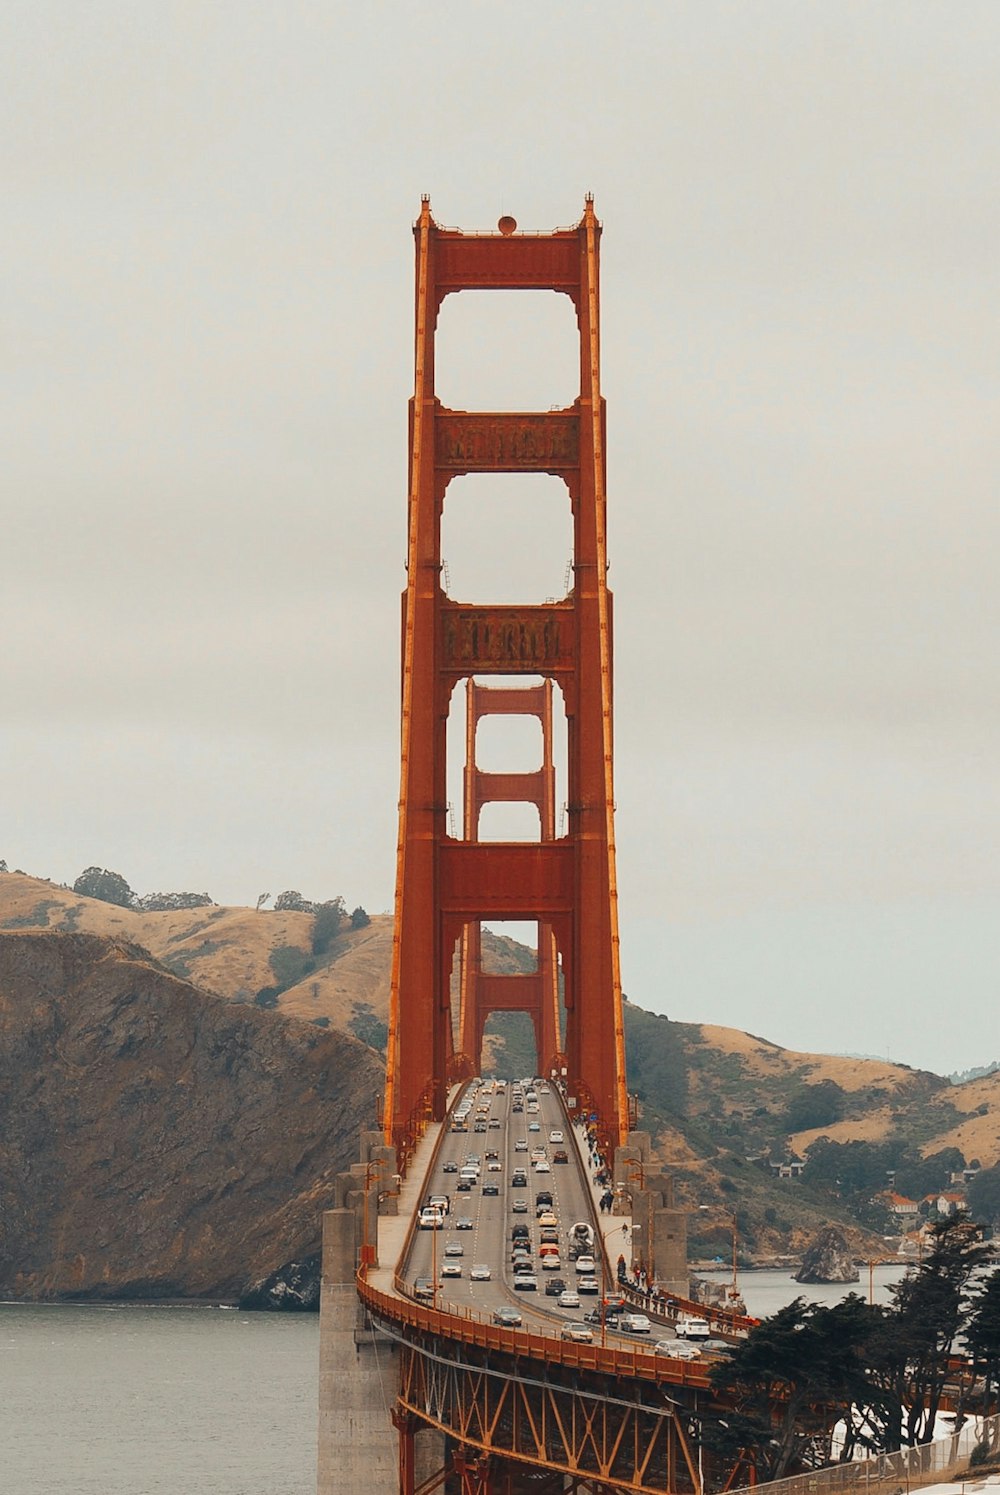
x: 581, y: 1235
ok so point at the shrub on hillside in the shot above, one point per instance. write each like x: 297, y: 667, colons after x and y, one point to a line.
x: 106, y: 886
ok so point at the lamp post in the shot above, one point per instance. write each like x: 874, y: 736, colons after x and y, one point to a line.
x: 367, y: 1253
x: 734, y: 1291
x: 622, y: 1230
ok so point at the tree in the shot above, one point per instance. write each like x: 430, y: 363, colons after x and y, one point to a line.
x: 984, y: 1195
x: 154, y: 903
x: 982, y: 1340
x: 928, y: 1175
x: 328, y: 922
x: 359, y: 919
x: 795, y: 1376
x: 106, y: 886
x: 908, y: 1355
x: 292, y: 902
x: 814, y: 1105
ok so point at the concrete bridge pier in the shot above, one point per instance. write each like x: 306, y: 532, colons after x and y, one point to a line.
x: 358, y: 1377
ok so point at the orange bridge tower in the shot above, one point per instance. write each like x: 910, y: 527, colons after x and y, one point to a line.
x: 446, y: 886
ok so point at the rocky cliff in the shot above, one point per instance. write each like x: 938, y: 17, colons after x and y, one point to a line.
x: 156, y: 1141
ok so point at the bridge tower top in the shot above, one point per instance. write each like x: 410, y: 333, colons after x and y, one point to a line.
x: 567, y: 883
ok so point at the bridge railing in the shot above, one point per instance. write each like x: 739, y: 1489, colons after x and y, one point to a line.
x: 475, y: 1329
x: 910, y: 1469
x: 670, y: 1306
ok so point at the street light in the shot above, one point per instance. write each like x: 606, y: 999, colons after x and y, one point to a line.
x: 734, y: 1291
x: 367, y: 1253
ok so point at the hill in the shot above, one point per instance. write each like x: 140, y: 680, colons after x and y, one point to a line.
x: 727, y: 1108
x: 156, y: 1141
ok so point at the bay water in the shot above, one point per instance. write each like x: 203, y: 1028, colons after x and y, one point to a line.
x: 172, y: 1400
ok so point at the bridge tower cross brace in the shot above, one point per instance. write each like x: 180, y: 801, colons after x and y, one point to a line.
x: 443, y: 884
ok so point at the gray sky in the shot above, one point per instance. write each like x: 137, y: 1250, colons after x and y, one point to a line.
x: 207, y: 306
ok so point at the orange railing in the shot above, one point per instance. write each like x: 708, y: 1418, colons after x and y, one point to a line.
x: 471, y: 1328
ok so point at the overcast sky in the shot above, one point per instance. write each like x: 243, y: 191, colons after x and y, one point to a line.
x: 207, y: 351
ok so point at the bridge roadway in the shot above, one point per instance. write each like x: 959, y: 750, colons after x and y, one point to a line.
x: 512, y: 1136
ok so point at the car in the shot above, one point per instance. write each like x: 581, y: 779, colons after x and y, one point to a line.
x: 519, y: 1179
x: 523, y: 1283
x: 464, y: 1186
x: 454, y: 1248
x: 578, y: 1333
x: 451, y: 1269
x: 614, y: 1303
x: 480, y: 1272
x: 517, y: 1109
x: 491, y: 1153
x: 521, y: 1263
x: 588, y: 1285
x: 491, y: 1188
x: 554, y: 1287
x: 519, y: 1233
x: 542, y: 1166
x: 431, y: 1219
x: 494, y: 1166
x: 569, y: 1299
x: 507, y: 1318
x: 548, y: 1220
x: 520, y: 1207
x: 465, y: 1222
x: 544, y: 1196
x: 585, y: 1266
x: 676, y: 1349
x: 423, y: 1287
x: 689, y: 1326
x: 534, y: 1126
x: 449, y: 1168
x: 495, y: 1123
x: 551, y: 1263
x: 635, y: 1323
x: 556, y: 1136
x: 521, y: 1145
x: 480, y: 1126
x: 560, y: 1155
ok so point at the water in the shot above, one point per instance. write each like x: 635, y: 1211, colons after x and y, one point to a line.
x: 156, y: 1401
x: 765, y: 1292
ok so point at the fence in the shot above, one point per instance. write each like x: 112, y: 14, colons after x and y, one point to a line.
x: 934, y: 1463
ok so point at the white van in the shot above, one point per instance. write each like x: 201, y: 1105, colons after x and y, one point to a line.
x: 693, y: 1328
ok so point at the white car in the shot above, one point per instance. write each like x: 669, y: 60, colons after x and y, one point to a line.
x: 585, y: 1266
x: 451, y: 1269
x: 588, y: 1285
x: 454, y: 1248
x: 677, y: 1349
x: 635, y: 1323
x: 494, y: 1166
x: 542, y: 1166
x: 480, y: 1272
x: 551, y: 1264
x: 525, y: 1283
x: 570, y: 1300
x: 521, y: 1145
x: 555, y: 1136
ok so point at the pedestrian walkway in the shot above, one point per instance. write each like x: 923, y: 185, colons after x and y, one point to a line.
x: 615, y: 1229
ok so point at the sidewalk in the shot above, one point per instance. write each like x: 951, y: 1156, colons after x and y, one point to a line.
x: 615, y: 1229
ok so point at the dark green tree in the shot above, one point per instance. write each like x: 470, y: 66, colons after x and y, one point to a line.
x: 293, y: 902
x: 814, y: 1105
x: 984, y: 1195
x: 329, y: 919
x: 928, y: 1175
x: 359, y: 919
x: 908, y: 1354
x: 106, y: 886
x: 982, y: 1341
x: 795, y: 1376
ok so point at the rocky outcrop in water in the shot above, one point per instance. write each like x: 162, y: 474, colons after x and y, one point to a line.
x: 293, y: 1288
x: 828, y: 1259
x: 154, y: 1141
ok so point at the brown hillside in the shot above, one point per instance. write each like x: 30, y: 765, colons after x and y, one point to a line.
x: 156, y: 1141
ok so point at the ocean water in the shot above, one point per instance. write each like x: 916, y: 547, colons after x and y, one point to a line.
x: 180, y: 1400
x: 764, y: 1292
